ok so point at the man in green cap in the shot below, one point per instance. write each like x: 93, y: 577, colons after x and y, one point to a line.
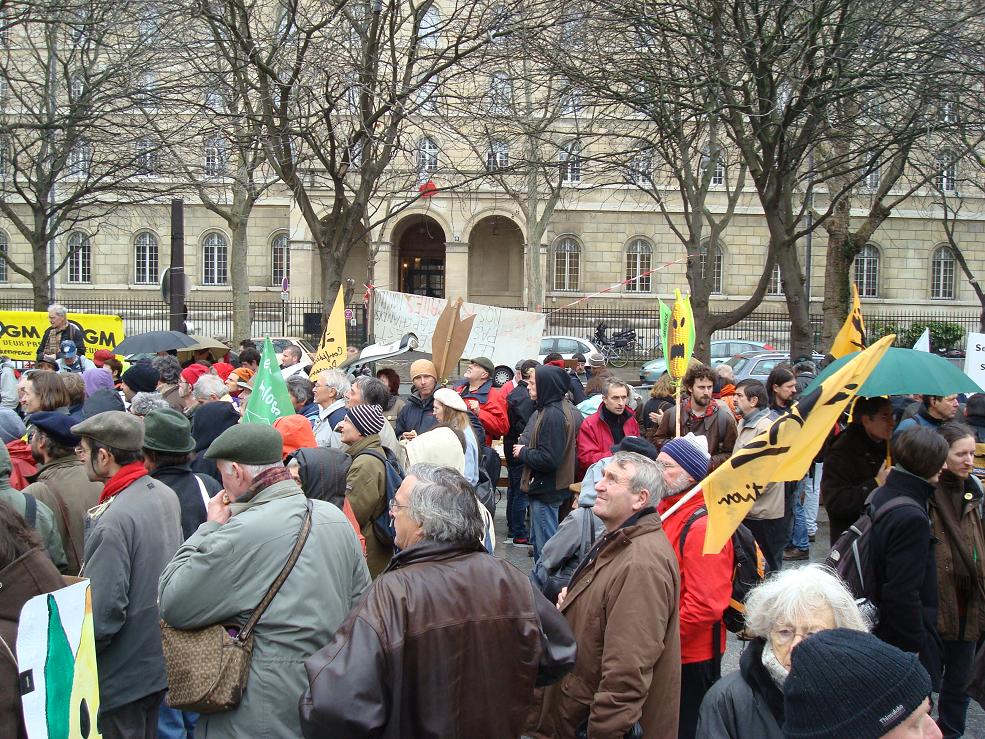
x: 129, y: 537
x: 168, y: 446
x: 221, y: 573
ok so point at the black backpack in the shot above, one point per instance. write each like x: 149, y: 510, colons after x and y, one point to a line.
x: 383, y: 524
x: 748, y: 571
x: 851, y: 556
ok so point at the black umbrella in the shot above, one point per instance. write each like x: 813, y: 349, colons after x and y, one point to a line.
x: 154, y: 341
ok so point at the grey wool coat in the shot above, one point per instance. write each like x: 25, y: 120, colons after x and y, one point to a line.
x: 220, y: 574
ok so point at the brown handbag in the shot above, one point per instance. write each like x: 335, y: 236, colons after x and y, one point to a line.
x: 208, y: 668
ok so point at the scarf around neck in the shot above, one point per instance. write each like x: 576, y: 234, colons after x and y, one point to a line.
x: 124, y: 477
x: 776, y: 671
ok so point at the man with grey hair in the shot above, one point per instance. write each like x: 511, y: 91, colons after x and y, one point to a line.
x: 331, y: 387
x: 222, y: 571
x: 622, y: 605
x: 61, y: 329
x: 302, y: 393
x: 169, y: 369
x: 387, y: 672
x: 208, y: 389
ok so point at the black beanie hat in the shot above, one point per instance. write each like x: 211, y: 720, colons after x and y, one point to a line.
x: 141, y: 378
x: 846, y: 683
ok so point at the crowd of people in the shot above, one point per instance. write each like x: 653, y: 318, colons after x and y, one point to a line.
x: 396, y: 619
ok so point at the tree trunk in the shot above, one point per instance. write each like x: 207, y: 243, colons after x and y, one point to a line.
x: 331, y: 278
x: 239, y: 280
x: 837, y: 285
x: 703, y: 327
x: 39, y: 277
x: 801, y: 340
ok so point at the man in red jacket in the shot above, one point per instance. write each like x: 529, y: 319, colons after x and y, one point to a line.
x: 486, y: 401
x: 706, y: 579
x: 609, y: 425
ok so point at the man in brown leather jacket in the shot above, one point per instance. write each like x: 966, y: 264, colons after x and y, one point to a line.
x: 449, y: 641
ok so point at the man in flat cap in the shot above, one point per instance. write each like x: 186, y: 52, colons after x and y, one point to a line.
x: 486, y: 401
x: 60, y: 482
x: 129, y: 537
x: 366, y: 477
x: 221, y: 573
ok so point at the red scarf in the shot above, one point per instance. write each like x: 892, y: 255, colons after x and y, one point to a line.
x: 124, y: 476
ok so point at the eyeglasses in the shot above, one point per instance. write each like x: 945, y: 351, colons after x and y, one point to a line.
x: 394, y: 505
x: 785, y: 634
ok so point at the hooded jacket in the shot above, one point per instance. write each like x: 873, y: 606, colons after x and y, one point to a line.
x: 416, y: 415
x: 23, y: 466
x: 44, y: 519
x: 519, y: 407
x: 29, y: 575
x: 549, y: 459
x: 323, y: 473
x: 209, y: 421
x: 850, y: 467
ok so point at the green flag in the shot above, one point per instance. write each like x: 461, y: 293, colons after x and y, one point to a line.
x: 269, y: 399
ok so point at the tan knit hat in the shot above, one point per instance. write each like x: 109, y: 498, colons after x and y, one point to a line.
x: 423, y: 367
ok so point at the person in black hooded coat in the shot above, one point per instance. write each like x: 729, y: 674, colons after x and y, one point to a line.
x: 210, y: 420
x: 321, y: 473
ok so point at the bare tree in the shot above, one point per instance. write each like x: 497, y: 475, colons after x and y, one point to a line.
x: 77, y: 96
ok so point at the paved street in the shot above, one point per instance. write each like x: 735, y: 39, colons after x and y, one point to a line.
x: 730, y: 661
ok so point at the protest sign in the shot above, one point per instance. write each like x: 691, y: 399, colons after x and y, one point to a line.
x: 331, y: 348
x: 269, y: 399
x: 505, y: 335
x: 974, y: 358
x: 21, y: 332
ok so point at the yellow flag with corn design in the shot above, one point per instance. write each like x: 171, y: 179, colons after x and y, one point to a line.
x: 677, y: 335
x: 851, y: 337
x: 784, y: 451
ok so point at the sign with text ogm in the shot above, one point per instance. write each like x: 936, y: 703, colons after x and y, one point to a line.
x: 21, y: 332
x: 504, y: 335
x: 974, y: 358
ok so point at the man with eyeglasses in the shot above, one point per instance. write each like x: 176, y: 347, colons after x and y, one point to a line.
x: 130, y: 536
x: 61, y: 483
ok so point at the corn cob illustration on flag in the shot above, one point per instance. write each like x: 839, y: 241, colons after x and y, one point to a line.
x: 677, y: 335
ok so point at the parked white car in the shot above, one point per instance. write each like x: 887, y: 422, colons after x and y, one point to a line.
x: 567, y: 347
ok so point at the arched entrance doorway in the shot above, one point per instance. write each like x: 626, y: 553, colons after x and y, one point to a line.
x: 421, y: 256
x: 496, y: 262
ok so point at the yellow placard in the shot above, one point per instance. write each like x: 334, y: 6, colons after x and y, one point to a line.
x: 331, y: 348
x: 851, y: 337
x: 21, y: 332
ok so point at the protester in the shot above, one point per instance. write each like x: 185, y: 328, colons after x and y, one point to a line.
x: 69, y: 359
x: 8, y: 384
x: 956, y: 520
x: 661, y: 398
x: 221, y: 370
x: 417, y: 415
x: 725, y: 384
x: 781, y: 387
x: 576, y: 390
x: 25, y: 571
x: 222, y: 572
x: 187, y: 380
x: 296, y: 434
x: 140, y: 378
x: 167, y: 449
x: 701, y: 415
x: 780, y: 613
x: 846, y: 683
x: 904, y: 565
x: 209, y: 389
x: 580, y: 371
x: 95, y: 379
x: 386, y: 672
x: 804, y: 373
x: 856, y: 463
x: 61, y: 329
x: 484, y: 400
x: 143, y: 403
x: 370, y: 391
x: 389, y: 377
x: 547, y: 450
x: 291, y: 362
x: 706, y: 579
x: 38, y: 516
x: 765, y: 518
x: 936, y: 410
x: 238, y: 386
x: 102, y: 400
x: 169, y: 369
x: 61, y: 483
x: 76, y: 389
x: 42, y: 391
x: 367, y: 478
x: 130, y: 536
x: 302, y: 393
x: 330, y: 390
x: 450, y: 410
x: 609, y: 425
x: 208, y: 423
x: 249, y: 359
x: 628, y: 666
x: 519, y: 408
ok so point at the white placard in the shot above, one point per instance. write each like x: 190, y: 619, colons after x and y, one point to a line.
x: 505, y: 336
x: 974, y: 358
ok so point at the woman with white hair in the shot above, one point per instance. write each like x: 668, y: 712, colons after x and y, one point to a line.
x: 789, y: 607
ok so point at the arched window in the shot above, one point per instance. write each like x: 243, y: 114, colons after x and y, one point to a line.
x: 280, y: 260
x: 776, y: 283
x: 867, y: 272
x: 4, y: 247
x: 638, y: 256
x: 569, y: 162
x: 79, y: 257
x: 717, y: 268
x: 567, y: 257
x: 427, y: 156
x: 215, y: 259
x: 145, y: 258
x: 942, y: 274
x: 500, y: 96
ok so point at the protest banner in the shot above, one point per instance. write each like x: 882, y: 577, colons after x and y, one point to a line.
x: 269, y: 399
x: 331, y: 348
x: 56, y: 659
x: 21, y: 332
x: 784, y: 451
x: 851, y: 337
x: 505, y: 335
x: 974, y: 357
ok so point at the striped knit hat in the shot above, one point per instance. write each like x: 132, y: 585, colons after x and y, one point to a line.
x: 691, y: 453
x: 368, y: 419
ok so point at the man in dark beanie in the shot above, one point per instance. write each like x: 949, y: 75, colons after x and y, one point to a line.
x: 61, y: 483
x: 360, y: 429
x: 223, y: 570
x: 130, y: 536
x: 845, y: 683
x: 140, y: 378
x: 904, y: 581
x: 168, y: 445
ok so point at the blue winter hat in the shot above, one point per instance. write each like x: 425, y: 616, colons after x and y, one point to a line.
x: 691, y: 453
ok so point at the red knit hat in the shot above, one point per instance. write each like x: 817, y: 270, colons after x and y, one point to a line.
x: 192, y: 372
x: 222, y: 369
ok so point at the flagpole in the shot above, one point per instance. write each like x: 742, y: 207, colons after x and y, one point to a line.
x: 684, y: 499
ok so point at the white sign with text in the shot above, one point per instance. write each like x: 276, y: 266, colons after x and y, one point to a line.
x: 974, y: 358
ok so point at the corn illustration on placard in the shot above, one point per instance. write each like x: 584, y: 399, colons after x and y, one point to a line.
x: 677, y: 335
